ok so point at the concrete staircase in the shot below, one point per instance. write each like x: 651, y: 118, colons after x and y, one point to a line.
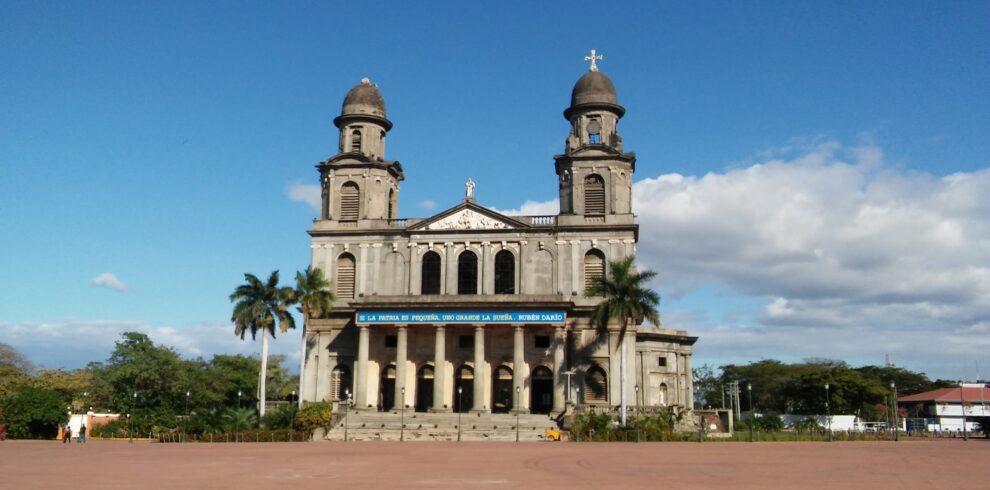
x: 387, y: 426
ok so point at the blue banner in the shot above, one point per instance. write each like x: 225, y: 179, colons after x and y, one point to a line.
x: 448, y: 317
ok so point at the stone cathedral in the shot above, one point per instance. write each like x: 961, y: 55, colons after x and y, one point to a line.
x: 470, y: 310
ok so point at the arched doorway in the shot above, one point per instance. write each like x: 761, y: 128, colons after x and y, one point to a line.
x: 595, y: 385
x: 424, y: 388
x: 541, y: 391
x: 386, y: 396
x: 502, y: 390
x: 464, y: 389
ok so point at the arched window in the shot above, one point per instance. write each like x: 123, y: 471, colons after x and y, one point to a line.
x: 594, y: 194
x: 663, y: 394
x: 345, y: 276
x: 505, y: 273
x: 350, y: 202
x: 356, y: 141
x: 340, y: 383
x: 596, y: 385
x: 431, y: 273
x: 467, y: 273
x: 594, y: 270
x: 594, y: 132
x: 391, y: 204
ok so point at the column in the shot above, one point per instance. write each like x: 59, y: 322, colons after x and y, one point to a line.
x: 688, y: 383
x: 361, y: 373
x: 486, y: 261
x: 518, y: 370
x: 577, y: 280
x: 440, y: 370
x: 450, y: 270
x: 400, y: 366
x: 362, y: 267
x: 558, y: 370
x: 479, y: 370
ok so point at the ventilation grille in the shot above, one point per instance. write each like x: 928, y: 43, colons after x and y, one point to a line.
x: 594, y: 195
x: 345, y: 278
x: 350, y: 202
x: 595, y: 387
x: 594, y: 270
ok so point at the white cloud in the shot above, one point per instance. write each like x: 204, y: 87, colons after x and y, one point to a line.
x: 307, y: 193
x: 853, y: 256
x: 533, y: 208
x: 108, y: 280
x: 428, y: 204
x: 72, y: 343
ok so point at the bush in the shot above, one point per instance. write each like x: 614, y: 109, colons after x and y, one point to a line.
x: 767, y: 422
x: 34, y: 413
x: 280, y: 418
x: 313, y: 416
x: 659, y: 426
x: 113, y: 428
x: 237, y: 419
x: 808, y: 425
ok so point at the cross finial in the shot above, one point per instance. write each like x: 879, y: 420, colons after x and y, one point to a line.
x: 593, y: 58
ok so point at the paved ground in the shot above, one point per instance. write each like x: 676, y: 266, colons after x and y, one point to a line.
x: 111, y: 465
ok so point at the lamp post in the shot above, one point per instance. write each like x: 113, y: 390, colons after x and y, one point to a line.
x: 637, y: 398
x: 516, y: 404
x: 237, y: 436
x: 84, y: 418
x: 749, y: 389
x: 962, y: 405
x: 897, y: 432
x: 402, y: 419
x: 828, y: 413
x: 130, y: 434
x: 130, y: 421
x: 347, y: 406
x: 185, y: 423
x: 460, y: 409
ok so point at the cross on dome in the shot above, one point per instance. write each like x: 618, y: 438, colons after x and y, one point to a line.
x: 593, y: 58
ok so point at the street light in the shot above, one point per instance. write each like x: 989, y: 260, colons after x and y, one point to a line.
x: 460, y: 409
x: 347, y: 406
x: 749, y: 389
x: 828, y: 413
x: 130, y: 434
x: 962, y: 405
x: 185, y: 423
x: 402, y: 419
x: 897, y: 432
x: 637, y: 398
x: 237, y: 436
x: 516, y: 405
x: 130, y: 428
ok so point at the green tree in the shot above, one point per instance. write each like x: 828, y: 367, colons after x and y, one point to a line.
x: 258, y: 307
x: 15, y: 370
x: 626, y: 299
x: 34, y: 413
x: 707, y: 386
x: 313, y: 295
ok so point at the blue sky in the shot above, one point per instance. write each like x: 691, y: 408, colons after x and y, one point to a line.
x: 163, y: 143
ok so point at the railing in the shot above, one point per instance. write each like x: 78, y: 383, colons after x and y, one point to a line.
x: 398, y: 223
x: 540, y: 220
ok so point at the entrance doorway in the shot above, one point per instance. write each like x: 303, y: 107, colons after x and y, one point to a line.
x: 502, y: 390
x: 464, y: 389
x: 541, y: 393
x: 386, y: 396
x: 424, y: 388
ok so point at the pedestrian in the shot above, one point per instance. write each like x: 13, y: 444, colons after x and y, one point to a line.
x: 67, y: 435
x: 82, y: 433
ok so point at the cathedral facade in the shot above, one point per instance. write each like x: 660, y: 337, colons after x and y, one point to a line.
x: 472, y: 310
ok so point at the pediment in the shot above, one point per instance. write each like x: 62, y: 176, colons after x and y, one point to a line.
x: 469, y: 216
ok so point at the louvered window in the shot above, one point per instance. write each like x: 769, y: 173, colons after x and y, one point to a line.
x: 356, y: 141
x: 340, y: 383
x: 350, y: 202
x: 594, y: 195
x: 596, y: 386
x: 345, y: 276
x: 594, y: 269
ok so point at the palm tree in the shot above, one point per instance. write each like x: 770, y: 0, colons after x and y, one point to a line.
x: 313, y: 295
x: 627, y: 300
x: 259, y: 306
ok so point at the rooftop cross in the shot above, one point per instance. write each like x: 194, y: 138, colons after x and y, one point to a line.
x: 593, y: 58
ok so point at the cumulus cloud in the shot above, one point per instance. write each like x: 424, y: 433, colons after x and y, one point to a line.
x: 108, y: 280
x: 428, y: 204
x: 533, y: 208
x: 72, y: 343
x: 307, y: 193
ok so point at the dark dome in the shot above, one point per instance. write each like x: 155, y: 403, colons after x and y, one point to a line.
x: 364, y: 98
x: 594, y: 89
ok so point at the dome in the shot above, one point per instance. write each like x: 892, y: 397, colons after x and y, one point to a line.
x: 364, y: 99
x: 594, y: 90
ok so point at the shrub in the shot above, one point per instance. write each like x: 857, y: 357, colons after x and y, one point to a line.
x: 313, y: 416
x: 280, y: 418
x: 235, y: 419
x: 34, y: 413
x: 808, y: 425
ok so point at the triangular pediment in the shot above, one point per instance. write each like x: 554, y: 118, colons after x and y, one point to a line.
x: 468, y: 216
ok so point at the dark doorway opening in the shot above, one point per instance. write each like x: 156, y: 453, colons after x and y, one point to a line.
x: 424, y: 389
x: 502, y: 390
x: 541, y: 392
x: 386, y: 397
x: 464, y: 389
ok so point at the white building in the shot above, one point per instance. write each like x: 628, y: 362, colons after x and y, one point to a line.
x: 943, y: 409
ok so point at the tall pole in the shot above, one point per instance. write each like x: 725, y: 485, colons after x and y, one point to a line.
x: 962, y: 404
x: 185, y: 423
x: 130, y: 421
x: 237, y: 437
x: 897, y: 431
x: 402, y: 420
x: 516, y: 404
x: 347, y: 406
x: 460, y: 409
x: 828, y: 413
x: 749, y: 389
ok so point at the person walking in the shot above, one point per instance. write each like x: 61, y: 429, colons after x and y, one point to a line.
x: 67, y: 435
x: 82, y: 433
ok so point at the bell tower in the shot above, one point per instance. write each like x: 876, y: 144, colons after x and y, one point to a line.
x: 594, y: 173
x: 358, y: 183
